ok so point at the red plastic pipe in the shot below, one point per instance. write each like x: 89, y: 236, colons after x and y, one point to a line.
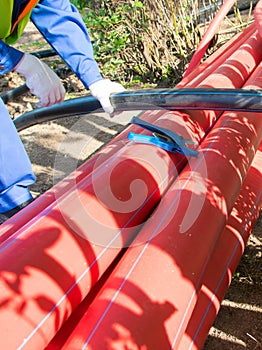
x: 215, y: 281
x: 208, y: 36
x: 40, y: 289
x: 149, y: 298
x: 258, y: 17
x: 217, y: 58
x: 233, y: 73
x: 225, y: 257
x: 47, y: 201
x: 50, y: 266
x: 230, y: 246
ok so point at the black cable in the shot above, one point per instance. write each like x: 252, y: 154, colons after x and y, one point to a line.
x: 150, y: 99
x: 44, y: 53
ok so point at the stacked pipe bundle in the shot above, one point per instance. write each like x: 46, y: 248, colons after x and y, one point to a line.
x: 52, y: 262
x: 145, y: 276
x: 160, y: 294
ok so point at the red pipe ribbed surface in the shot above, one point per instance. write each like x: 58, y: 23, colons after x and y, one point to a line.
x: 48, y: 265
x: 217, y: 276
x: 149, y: 298
x: 208, y: 36
x: 217, y: 58
x: 225, y: 257
x: 47, y: 201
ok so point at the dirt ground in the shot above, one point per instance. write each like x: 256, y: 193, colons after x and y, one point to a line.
x: 238, y: 325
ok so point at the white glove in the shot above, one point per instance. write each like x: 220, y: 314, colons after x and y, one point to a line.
x: 41, y: 80
x: 102, y: 90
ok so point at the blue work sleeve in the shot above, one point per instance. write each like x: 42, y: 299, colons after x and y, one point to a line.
x: 9, y: 57
x: 63, y: 27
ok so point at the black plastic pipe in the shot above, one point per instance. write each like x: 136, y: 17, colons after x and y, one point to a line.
x: 76, y: 106
x: 14, y: 93
x: 171, y: 99
x: 44, y: 53
x: 190, y: 98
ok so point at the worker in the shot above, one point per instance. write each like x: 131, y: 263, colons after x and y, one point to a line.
x: 258, y: 16
x: 63, y: 28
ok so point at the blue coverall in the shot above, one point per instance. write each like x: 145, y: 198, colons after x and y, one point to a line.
x: 62, y: 26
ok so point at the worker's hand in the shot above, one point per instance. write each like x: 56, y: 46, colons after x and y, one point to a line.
x: 258, y: 17
x: 102, y: 90
x: 41, y: 80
